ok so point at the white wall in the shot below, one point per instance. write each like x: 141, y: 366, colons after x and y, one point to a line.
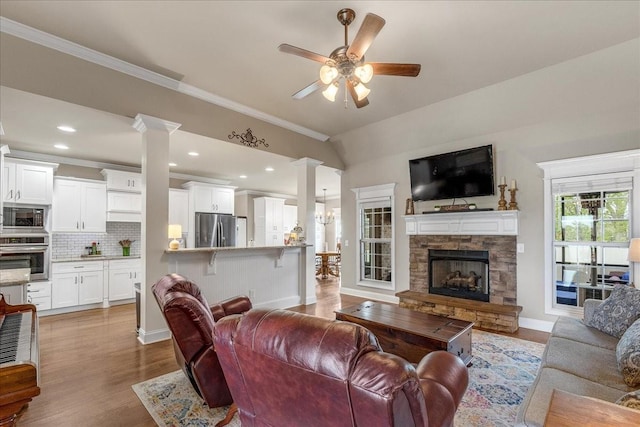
x: 589, y: 105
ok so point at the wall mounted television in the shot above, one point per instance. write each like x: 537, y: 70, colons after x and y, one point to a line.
x: 459, y: 174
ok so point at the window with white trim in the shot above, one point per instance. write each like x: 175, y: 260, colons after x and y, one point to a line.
x: 376, y: 236
x: 591, y: 237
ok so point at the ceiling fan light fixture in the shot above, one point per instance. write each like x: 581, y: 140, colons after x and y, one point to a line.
x: 328, y: 74
x: 330, y: 92
x: 362, y: 91
x: 364, y: 72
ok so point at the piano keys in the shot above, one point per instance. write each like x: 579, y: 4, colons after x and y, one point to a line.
x: 19, y: 357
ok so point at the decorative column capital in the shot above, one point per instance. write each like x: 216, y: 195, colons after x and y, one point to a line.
x: 306, y: 161
x: 143, y: 122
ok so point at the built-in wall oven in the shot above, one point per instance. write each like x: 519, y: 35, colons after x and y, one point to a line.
x: 29, y: 250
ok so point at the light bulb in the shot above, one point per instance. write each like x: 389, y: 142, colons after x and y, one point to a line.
x: 327, y: 74
x: 330, y: 92
x: 362, y: 91
x: 364, y: 73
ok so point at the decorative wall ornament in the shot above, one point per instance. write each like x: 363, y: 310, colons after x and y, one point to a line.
x: 248, y: 138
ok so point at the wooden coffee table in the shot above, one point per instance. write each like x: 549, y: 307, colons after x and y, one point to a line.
x: 411, y: 334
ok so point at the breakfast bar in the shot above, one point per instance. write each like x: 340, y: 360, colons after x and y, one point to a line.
x: 271, y: 276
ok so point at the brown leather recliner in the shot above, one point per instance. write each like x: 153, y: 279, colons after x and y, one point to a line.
x: 191, y: 320
x: 291, y: 369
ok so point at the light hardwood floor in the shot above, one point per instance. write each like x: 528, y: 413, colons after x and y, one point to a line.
x: 89, y: 360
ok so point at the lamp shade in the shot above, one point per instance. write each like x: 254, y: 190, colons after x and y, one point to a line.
x: 634, y: 250
x: 175, y: 231
x: 330, y: 92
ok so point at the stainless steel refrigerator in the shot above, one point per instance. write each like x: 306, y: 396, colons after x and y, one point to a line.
x: 215, y: 230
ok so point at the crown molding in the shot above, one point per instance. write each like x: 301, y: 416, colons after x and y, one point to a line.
x: 33, y: 35
x: 142, y: 122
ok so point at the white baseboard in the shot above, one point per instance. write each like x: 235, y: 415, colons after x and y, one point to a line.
x: 279, y: 303
x: 370, y: 295
x: 538, y: 325
x: 154, y: 336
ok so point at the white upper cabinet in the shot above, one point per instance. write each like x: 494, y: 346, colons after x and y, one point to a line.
x: 122, y: 181
x: 179, y: 208
x: 79, y: 206
x: 29, y: 183
x: 211, y: 198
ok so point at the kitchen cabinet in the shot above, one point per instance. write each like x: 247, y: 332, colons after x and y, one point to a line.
x: 179, y: 208
x: 26, y: 182
x: 210, y: 198
x: 268, y: 221
x: 124, y: 207
x: 123, y: 274
x: 79, y: 206
x: 39, y: 294
x: 76, y: 283
x: 289, y: 217
x: 122, y: 181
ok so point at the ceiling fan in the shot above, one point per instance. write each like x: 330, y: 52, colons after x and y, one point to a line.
x: 347, y: 62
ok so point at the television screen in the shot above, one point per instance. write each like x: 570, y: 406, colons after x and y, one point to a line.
x: 460, y: 174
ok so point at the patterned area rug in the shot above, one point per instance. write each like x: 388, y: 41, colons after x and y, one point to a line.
x: 502, y: 371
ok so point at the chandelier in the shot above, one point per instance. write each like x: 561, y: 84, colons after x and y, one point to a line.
x: 320, y: 216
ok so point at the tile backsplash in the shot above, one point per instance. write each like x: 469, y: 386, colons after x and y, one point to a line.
x: 72, y: 245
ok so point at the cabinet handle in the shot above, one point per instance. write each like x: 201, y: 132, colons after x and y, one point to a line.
x: 76, y: 281
x: 81, y: 279
x: 17, y: 195
x: 10, y: 194
x: 133, y: 182
x: 77, y: 225
x: 83, y: 225
x: 128, y: 183
x: 129, y: 275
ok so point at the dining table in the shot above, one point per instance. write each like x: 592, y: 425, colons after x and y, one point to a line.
x: 327, y: 266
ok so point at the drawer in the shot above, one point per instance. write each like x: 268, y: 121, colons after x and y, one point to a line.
x: 41, y: 303
x: 76, y: 267
x: 125, y: 264
x: 39, y: 289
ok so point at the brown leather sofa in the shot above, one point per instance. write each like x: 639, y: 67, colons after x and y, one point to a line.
x: 191, y: 320
x: 291, y: 369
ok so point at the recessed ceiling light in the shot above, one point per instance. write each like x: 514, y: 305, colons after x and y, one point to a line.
x: 193, y: 153
x: 172, y: 164
x: 65, y: 128
x: 243, y: 176
x: 269, y: 169
x: 61, y: 147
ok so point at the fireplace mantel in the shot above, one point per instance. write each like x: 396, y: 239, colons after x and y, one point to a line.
x: 490, y: 223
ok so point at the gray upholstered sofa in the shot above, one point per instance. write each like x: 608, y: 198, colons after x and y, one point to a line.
x: 578, y: 359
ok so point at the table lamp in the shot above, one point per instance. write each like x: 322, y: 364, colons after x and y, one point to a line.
x: 175, y: 232
x: 634, y: 250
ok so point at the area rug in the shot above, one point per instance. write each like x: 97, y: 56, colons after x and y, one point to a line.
x: 502, y: 371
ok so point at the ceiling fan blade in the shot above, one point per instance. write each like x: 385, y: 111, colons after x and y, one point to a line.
x: 362, y: 103
x: 287, y: 48
x: 308, y: 90
x: 368, y: 31
x: 391, y: 69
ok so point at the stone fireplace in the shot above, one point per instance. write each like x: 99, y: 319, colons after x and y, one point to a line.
x: 463, y: 265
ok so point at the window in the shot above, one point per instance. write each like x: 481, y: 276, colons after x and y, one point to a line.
x: 589, y: 220
x: 376, y: 236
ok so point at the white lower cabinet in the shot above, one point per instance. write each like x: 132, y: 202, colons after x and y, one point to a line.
x: 76, y: 283
x: 39, y: 294
x: 123, y: 274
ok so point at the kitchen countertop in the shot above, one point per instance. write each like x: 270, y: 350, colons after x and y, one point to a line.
x: 15, y: 276
x: 231, y: 249
x: 94, y: 258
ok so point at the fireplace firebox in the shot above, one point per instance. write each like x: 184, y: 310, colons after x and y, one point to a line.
x: 459, y: 273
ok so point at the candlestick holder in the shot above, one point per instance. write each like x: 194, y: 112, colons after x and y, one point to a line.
x: 513, y: 206
x: 502, y: 203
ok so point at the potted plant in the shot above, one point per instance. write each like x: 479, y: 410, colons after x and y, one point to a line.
x: 126, y: 246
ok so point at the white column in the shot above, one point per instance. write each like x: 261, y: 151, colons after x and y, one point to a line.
x: 306, y: 218
x: 155, y: 220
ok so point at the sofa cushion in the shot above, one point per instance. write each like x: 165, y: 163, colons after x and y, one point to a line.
x: 617, y: 312
x: 628, y: 355
x: 583, y: 360
x: 534, y: 407
x: 630, y: 400
x: 575, y: 330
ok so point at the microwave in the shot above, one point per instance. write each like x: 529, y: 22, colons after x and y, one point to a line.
x: 24, y: 218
